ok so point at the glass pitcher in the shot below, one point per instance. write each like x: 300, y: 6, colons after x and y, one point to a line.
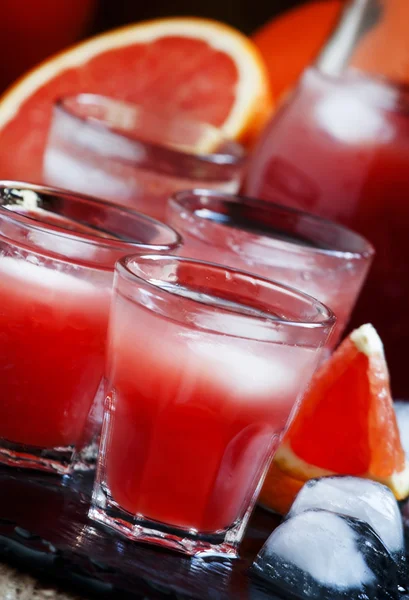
x: 339, y: 147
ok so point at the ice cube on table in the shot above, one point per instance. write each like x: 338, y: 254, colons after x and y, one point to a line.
x: 321, y: 555
x: 363, y: 499
x: 402, y: 417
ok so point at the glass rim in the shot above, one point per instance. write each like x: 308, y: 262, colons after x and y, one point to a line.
x: 216, y: 158
x: 34, y: 224
x: 182, y: 200
x: 328, y: 320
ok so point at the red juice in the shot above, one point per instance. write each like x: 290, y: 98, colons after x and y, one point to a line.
x: 53, y: 329
x: 57, y: 257
x: 339, y: 147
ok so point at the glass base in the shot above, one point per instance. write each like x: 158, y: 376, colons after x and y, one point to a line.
x: 51, y: 460
x: 106, y: 511
x: 60, y: 461
x: 86, y: 458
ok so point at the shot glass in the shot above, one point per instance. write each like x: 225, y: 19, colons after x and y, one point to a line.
x: 133, y: 156
x: 57, y: 257
x: 204, y: 366
x: 317, y: 256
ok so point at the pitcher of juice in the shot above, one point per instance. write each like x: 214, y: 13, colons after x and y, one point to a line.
x: 339, y: 147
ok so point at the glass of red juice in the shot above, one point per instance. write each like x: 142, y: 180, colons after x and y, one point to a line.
x: 134, y: 155
x: 204, y: 366
x: 319, y: 257
x: 57, y: 257
x: 339, y: 147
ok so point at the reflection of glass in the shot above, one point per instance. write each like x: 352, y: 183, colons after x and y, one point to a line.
x: 57, y: 255
x: 179, y: 576
x: 204, y: 366
x: 129, y: 155
x: 319, y: 257
x: 345, y: 130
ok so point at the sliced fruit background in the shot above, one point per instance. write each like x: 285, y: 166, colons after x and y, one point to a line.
x: 199, y: 67
x: 44, y: 27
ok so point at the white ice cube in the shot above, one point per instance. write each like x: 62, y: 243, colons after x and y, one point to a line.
x: 363, y: 499
x: 62, y: 170
x: 236, y: 366
x: 28, y: 273
x: 273, y: 257
x: 64, y: 245
x: 351, y: 119
x: 323, y: 545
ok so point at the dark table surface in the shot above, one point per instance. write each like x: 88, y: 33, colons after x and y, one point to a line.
x: 45, y: 531
x: 50, y: 550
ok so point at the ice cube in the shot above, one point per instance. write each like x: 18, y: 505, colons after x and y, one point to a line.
x: 257, y: 325
x: 348, y: 118
x: 402, y: 416
x: 66, y: 246
x: 62, y: 170
x: 29, y: 273
x: 321, y: 555
x: 291, y: 262
x: 364, y: 499
x: 235, y: 365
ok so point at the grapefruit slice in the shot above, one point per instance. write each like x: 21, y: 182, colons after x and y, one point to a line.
x: 345, y: 425
x: 199, y: 67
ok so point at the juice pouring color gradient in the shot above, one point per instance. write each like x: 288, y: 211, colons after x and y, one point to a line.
x: 219, y: 369
x: 57, y: 254
x: 131, y: 156
x: 318, y: 257
x: 339, y: 147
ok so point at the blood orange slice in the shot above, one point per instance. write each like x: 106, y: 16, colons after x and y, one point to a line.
x: 345, y: 425
x: 196, y: 66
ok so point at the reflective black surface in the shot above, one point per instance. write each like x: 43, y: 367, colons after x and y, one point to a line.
x: 44, y: 528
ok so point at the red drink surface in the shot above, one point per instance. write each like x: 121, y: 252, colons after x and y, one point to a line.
x: 52, y: 330
x: 340, y: 148
x: 194, y: 415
